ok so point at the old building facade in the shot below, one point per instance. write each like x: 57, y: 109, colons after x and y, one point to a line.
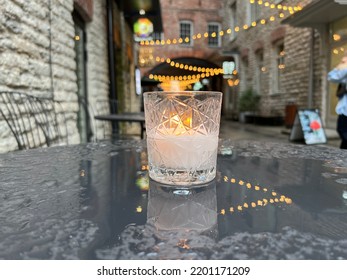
x: 185, y: 19
x: 60, y: 50
x: 282, y: 63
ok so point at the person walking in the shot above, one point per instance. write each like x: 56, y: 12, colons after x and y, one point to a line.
x: 339, y: 75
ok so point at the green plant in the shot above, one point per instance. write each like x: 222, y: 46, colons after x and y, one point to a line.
x: 248, y: 101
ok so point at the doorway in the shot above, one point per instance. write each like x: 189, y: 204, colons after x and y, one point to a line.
x: 338, y: 47
x: 81, y: 73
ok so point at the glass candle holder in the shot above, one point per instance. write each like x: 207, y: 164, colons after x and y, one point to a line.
x: 190, y: 210
x: 182, y: 136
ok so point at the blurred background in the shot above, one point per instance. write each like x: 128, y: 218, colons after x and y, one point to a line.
x: 269, y: 58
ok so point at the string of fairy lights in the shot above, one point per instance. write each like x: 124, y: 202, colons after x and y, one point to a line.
x: 186, y: 80
x: 189, y: 67
x: 203, y: 71
x: 277, y: 6
x: 283, y: 8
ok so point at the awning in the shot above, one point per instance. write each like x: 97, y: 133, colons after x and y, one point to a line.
x: 317, y: 13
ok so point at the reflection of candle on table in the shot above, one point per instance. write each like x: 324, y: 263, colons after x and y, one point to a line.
x: 178, y: 146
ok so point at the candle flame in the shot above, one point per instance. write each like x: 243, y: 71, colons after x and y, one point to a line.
x: 180, y: 124
x: 187, y: 122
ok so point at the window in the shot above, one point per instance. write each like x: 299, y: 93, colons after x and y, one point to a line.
x: 81, y: 73
x: 244, y: 74
x: 145, y: 57
x: 157, y: 36
x: 233, y: 20
x: 213, y: 34
x: 186, y: 32
x: 259, y: 71
x: 278, y: 66
x: 252, y: 13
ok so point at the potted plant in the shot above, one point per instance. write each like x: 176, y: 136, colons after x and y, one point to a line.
x: 248, y: 105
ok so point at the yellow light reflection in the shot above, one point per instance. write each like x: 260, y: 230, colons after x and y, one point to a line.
x: 258, y: 203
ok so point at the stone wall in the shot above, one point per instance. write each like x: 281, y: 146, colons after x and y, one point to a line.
x: 294, y: 77
x: 63, y: 63
x: 37, y: 56
x: 97, y: 65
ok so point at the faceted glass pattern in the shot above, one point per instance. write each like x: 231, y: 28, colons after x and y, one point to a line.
x: 182, y: 210
x: 182, y: 135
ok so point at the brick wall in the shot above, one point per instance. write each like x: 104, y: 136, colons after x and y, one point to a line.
x: 200, y: 13
x: 295, y: 76
x: 37, y: 56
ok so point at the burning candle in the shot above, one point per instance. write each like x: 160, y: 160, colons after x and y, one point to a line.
x: 182, y: 138
x: 179, y: 147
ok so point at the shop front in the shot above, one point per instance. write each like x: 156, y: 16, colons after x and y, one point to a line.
x: 329, y: 18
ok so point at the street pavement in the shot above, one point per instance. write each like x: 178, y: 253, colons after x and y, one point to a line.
x: 241, y: 131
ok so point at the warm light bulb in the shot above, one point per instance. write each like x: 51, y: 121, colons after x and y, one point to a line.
x: 336, y: 37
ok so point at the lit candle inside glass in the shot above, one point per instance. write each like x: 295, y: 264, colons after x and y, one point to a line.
x: 177, y: 145
x: 182, y: 136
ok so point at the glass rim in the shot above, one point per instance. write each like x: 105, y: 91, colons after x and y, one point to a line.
x: 183, y: 93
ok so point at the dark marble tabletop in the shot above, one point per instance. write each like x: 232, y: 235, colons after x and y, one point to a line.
x: 95, y: 201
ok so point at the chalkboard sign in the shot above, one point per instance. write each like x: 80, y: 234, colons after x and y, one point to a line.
x: 308, y: 127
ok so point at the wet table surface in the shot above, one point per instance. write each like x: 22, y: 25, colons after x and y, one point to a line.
x: 94, y: 201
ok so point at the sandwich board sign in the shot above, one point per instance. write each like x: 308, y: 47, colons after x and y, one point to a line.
x: 308, y: 127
